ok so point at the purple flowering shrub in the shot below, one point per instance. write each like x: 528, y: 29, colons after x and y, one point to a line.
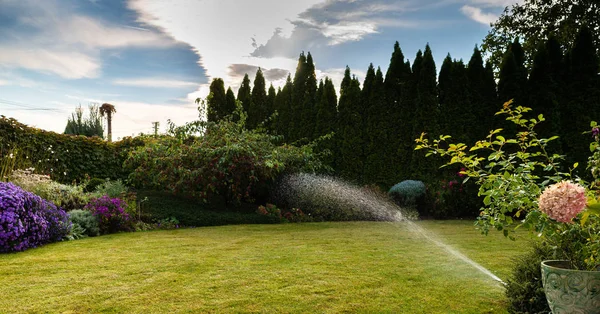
x: 110, y: 213
x: 27, y: 220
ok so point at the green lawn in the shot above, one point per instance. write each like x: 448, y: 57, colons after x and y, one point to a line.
x: 289, y: 268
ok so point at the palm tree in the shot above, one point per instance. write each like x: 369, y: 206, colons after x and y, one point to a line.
x: 108, y: 110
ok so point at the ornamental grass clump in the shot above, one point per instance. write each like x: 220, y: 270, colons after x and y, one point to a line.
x: 520, y: 180
x: 27, y: 220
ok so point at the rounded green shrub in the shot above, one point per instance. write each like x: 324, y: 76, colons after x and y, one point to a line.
x: 93, y: 184
x: 86, y: 220
x: 407, y: 192
x: 524, y: 288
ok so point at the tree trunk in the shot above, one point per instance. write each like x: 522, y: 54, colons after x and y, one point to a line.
x: 109, y: 121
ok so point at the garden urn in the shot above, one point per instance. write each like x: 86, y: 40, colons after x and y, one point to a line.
x: 569, y: 290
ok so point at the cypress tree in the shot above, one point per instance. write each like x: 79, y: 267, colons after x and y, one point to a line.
x: 541, y: 96
x: 482, y: 90
x: 298, y: 91
x: 326, y: 120
x: 216, y: 102
x: 244, y: 93
x: 283, y: 102
x: 582, y: 101
x: 271, y: 95
x: 491, y: 92
x: 229, y: 102
x: 308, y: 109
x: 257, y: 111
x: 444, y: 89
x: 426, y: 113
x: 379, y: 156
x: 455, y: 101
x: 350, y: 128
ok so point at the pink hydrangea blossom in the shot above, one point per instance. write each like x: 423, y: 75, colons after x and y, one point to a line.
x: 563, y: 201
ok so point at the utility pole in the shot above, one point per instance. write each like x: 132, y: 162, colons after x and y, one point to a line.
x: 155, y: 127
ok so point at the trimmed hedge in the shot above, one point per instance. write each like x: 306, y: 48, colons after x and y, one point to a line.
x: 67, y: 158
x: 192, y: 212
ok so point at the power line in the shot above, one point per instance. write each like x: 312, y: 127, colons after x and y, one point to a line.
x: 24, y: 106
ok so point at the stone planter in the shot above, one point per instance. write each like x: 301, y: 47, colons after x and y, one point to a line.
x: 569, y: 290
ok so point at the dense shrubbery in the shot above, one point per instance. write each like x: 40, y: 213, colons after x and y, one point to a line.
x: 27, y: 220
x: 190, y: 212
x: 110, y: 213
x: 407, y: 193
x: 67, y: 158
x: 524, y: 286
x: 228, y: 163
x: 86, y: 220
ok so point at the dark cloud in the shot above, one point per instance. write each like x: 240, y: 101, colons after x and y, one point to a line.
x: 303, y: 37
x: 239, y: 70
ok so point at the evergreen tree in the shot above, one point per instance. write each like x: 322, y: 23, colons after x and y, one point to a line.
x: 351, y: 157
x: 298, y: 95
x: 426, y: 113
x: 271, y: 95
x: 216, y: 102
x: 380, y: 130
x: 326, y: 120
x: 482, y: 90
x: 283, y: 103
x: 308, y: 109
x: 89, y: 126
x: 257, y: 111
x: 458, y: 118
x: 512, y: 77
x: 582, y: 101
x: 244, y: 93
x: 229, y: 102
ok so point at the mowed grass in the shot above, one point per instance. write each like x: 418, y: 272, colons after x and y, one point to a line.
x: 364, y: 267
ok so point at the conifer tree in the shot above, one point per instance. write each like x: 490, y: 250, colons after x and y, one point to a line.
x: 244, y: 93
x: 351, y: 146
x: 308, y: 109
x: 482, y: 90
x: 326, y: 121
x: 271, y: 95
x: 216, y: 102
x: 380, y: 130
x: 298, y: 91
x: 542, y: 98
x: 426, y: 113
x: 257, y: 111
x: 229, y: 102
x: 283, y: 102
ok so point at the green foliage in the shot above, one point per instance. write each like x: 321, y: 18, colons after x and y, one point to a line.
x: 88, y: 126
x: 407, y: 192
x: 350, y: 140
x: 77, y: 232
x: 66, y: 158
x: 244, y: 93
x: 217, y: 106
x: 68, y: 197
x: 524, y: 288
x: 228, y: 162
x: 283, y: 106
x: 85, y: 220
x: 112, y: 188
x: 191, y: 212
x: 535, y: 21
x: 258, y: 111
x: 92, y: 184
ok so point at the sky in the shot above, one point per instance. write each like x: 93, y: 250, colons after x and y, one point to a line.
x: 152, y: 59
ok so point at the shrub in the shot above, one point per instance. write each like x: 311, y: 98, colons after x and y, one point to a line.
x: 524, y: 286
x: 86, y: 220
x: 27, y: 220
x: 283, y: 215
x: 407, y: 193
x: 192, y: 212
x: 110, y: 213
x: 112, y: 188
x: 68, y: 197
x: 93, y: 184
x: 227, y: 163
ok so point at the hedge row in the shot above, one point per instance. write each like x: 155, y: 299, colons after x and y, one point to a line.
x: 66, y: 158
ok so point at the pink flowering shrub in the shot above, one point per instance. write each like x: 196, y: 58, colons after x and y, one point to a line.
x: 563, y: 201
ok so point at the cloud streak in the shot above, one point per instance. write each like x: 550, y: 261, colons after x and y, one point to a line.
x: 154, y: 83
x: 477, y: 15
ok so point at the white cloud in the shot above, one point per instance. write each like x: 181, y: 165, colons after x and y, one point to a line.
x: 495, y: 3
x: 154, y: 82
x: 67, y: 64
x: 63, y: 43
x: 478, y: 15
x: 344, y: 32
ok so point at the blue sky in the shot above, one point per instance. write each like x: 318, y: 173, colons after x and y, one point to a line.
x: 153, y: 58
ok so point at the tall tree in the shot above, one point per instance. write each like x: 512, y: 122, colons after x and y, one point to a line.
x: 257, y: 111
x: 216, y: 106
x: 350, y: 159
x: 244, y: 93
x: 89, y: 126
x: 426, y: 113
x: 482, y: 90
x: 298, y: 91
x: 107, y: 110
x: 283, y: 103
x: 535, y: 21
x: 326, y: 120
x: 229, y: 102
x: 271, y: 95
x: 379, y: 129
x: 308, y: 111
